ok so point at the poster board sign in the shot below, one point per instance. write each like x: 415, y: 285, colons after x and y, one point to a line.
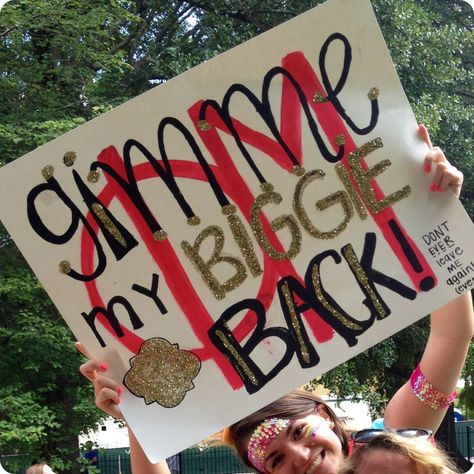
x: 252, y: 223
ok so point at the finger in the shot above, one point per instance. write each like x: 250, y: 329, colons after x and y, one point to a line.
x: 82, y: 350
x: 89, y: 371
x: 106, y: 382
x: 447, y: 176
x: 91, y: 368
x: 424, y: 135
x: 434, y: 156
x: 108, y: 400
x: 439, y: 172
x: 429, y: 159
x: 106, y: 396
x: 453, y: 180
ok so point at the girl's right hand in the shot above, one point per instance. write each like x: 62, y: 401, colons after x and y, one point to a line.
x: 106, y: 391
x: 107, y: 398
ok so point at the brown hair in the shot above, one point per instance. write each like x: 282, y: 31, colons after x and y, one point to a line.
x: 420, y: 452
x: 296, y: 404
x: 36, y: 468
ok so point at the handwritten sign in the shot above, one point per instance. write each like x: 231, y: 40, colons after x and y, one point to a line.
x: 256, y: 221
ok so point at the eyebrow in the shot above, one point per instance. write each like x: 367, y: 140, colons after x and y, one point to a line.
x: 287, y: 433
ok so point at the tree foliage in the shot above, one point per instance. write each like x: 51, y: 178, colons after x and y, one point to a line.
x: 43, y: 399
x: 466, y: 396
x: 63, y: 62
x: 377, y: 373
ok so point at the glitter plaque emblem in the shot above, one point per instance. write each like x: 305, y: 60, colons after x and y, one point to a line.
x: 162, y: 372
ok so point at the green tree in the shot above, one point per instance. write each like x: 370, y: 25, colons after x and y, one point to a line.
x: 44, y: 402
x: 466, y: 395
x: 64, y: 62
x: 376, y: 374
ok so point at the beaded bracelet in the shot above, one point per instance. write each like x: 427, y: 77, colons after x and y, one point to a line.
x: 428, y: 394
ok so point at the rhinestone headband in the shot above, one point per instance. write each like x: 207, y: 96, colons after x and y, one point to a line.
x: 261, y: 439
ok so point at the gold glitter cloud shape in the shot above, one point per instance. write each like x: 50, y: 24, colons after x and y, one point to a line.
x: 161, y: 372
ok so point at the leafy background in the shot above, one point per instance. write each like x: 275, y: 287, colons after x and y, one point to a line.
x: 64, y: 62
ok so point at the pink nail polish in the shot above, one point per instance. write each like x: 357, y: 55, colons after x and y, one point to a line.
x: 439, y: 189
x: 103, y: 367
x: 427, y: 167
x: 119, y: 390
x: 433, y: 187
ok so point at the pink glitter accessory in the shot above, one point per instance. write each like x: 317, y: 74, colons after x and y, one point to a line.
x: 261, y: 439
x: 428, y: 394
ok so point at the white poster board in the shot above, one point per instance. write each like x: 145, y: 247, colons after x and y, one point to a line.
x: 246, y: 226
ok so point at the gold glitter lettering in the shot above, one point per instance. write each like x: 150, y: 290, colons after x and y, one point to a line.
x: 238, y: 358
x: 373, y: 93
x: 298, y: 170
x: 162, y: 372
x: 160, y: 235
x: 64, y: 266
x: 340, y: 140
x: 286, y: 220
x: 93, y: 176
x: 242, y: 239
x: 229, y: 209
x: 295, y: 322
x: 364, y: 177
x: 266, y: 187
x: 69, y: 158
x: 99, y: 211
x: 316, y: 280
x: 47, y: 172
x: 194, y: 220
x: 337, y: 197
x: 204, y: 125
x: 192, y: 252
x: 318, y: 98
x: 356, y: 200
x: 359, y: 272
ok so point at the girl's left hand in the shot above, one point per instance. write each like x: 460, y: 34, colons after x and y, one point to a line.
x: 445, y: 175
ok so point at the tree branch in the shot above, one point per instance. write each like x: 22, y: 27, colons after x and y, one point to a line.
x: 236, y: 15
x: 465, y: 94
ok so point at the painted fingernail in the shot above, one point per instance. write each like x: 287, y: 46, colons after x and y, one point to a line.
x: 427, y: 167
x: 119, y: 390
x: 439, y: 189
x: 433, y: 187
x: 103, y: 367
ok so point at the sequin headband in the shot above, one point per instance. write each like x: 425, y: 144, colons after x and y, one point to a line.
x: 261, y: 439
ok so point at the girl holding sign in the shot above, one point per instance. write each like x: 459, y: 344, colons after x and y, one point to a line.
x: 299, y: 433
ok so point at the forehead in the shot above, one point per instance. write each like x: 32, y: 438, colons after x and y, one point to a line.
x: 382, y: 461
x: 282, y: 437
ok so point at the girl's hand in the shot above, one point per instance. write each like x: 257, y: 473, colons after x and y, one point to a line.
x: 445, y: 175
x: 106, y: 391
